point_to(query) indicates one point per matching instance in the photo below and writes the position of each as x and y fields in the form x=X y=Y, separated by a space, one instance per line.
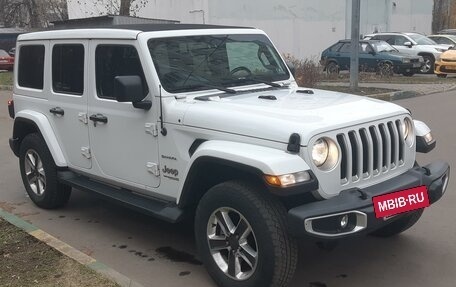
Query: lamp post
x=199 y=11
x=354 y=57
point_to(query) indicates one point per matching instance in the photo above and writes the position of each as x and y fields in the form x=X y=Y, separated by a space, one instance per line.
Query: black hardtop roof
x=155 y=27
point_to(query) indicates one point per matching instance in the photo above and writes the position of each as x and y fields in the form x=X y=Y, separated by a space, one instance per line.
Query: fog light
x=344 y=221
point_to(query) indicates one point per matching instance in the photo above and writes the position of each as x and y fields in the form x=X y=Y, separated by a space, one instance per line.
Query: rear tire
x=400 y=225
x=39 y=174
x=266 y=255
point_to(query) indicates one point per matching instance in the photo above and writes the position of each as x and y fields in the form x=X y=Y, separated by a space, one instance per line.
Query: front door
x=123 y=144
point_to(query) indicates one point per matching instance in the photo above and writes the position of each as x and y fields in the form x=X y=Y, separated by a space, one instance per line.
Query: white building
x=300 y=27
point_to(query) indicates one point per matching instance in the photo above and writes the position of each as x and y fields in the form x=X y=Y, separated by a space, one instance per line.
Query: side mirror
x=372 y=52
x=408 y=44
x=130 y=89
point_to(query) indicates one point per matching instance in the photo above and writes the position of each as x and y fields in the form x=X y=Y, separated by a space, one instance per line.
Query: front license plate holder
x=388 y=205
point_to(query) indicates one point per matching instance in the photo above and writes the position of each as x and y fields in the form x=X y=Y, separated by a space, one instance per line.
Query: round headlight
x=325 y=153
x=408 y=131
x=320 y=152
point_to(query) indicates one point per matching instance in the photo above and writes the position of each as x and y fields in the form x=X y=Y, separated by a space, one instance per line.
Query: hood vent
x=265 y=97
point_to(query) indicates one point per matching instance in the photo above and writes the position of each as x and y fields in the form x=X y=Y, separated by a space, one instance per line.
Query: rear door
x=68 y=100
x=344 y=56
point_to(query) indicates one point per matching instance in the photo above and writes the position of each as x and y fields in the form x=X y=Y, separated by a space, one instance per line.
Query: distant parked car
x=12 y=52
x=444 y=39
x=413 y=44
x=447 y=32
x=6 y=61
x=374 y=55
x=446 y=64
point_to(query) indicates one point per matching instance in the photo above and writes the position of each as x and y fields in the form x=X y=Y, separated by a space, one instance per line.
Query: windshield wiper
x=220 y=88
x=272 y=84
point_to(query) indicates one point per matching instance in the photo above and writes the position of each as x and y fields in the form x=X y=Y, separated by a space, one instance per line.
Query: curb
x=400 y=95
x=69 y=251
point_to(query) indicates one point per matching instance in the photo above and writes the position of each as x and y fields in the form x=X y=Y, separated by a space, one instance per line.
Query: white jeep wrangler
x=181 y=120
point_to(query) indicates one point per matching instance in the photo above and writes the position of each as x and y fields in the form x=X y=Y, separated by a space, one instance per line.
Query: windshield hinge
x=83 y=118
x=153 y=168
x=85 y=151
x=152 y=129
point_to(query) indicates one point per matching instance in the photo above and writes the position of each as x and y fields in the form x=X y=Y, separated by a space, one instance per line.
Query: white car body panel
x=48 y=134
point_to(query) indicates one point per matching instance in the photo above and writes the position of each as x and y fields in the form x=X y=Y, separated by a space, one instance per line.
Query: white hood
x=306 y=114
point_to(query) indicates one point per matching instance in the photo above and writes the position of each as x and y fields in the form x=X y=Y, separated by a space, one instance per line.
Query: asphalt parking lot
x=154 y=253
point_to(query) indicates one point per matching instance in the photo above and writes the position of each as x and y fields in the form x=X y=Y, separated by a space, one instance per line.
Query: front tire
x=400 y=225
x=242 y=237
x=39 y=174
x=428 y=67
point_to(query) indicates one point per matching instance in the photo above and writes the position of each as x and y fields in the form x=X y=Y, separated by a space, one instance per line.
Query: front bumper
x=407 y=68
x=357 y=204
x=444 y=67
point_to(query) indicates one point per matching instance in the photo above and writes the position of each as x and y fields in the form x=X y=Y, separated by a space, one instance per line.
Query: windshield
x=3 y=53
x=382 y=46
x=421 y=40
x=192 y=63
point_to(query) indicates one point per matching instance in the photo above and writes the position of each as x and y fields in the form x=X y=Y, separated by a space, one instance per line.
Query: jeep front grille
x=370 y=151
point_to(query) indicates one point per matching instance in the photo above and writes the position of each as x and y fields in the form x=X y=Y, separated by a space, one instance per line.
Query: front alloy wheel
x=232 y=243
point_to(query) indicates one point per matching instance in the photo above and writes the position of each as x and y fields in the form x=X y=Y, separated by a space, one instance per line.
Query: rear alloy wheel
x=428 y=67
x=242 y=237
x=332 y=68
x=39 y=174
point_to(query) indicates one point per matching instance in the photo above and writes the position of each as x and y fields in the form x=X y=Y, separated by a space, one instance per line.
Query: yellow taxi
x=446 y=64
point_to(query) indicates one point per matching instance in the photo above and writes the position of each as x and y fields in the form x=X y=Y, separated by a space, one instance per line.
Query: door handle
x=57 y=111
x=98 y=118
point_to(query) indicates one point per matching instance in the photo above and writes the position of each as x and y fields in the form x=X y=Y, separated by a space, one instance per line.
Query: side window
x=68 y=68
x=116 y=60
x=345 y=48
x=365 y=48
x=31 y=66
x=387 y=38
x=335 y=47
x=443 y=41
x=400 y=40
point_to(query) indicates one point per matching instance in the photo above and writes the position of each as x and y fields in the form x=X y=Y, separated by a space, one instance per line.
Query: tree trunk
x=125 y=7
x=443 y=15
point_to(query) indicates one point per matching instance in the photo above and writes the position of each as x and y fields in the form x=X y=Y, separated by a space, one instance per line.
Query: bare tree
x=444 y=15
x=32 y=13
x=114 y=7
